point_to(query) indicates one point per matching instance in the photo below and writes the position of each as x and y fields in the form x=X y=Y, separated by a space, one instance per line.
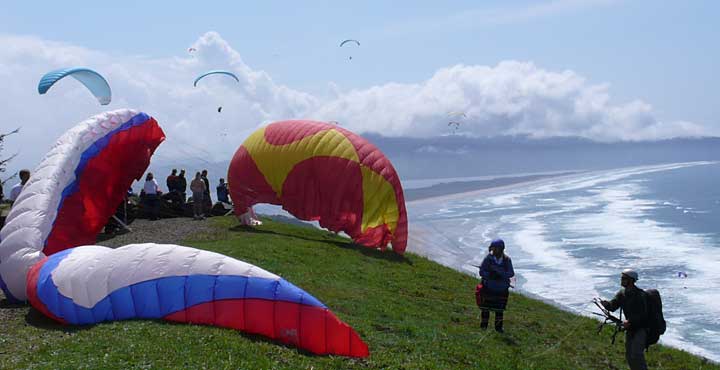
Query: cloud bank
x=511 y=98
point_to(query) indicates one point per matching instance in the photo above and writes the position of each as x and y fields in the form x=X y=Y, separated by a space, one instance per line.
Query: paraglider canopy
x=92 y=80
x=455 y=119
x=356 y=42
x=350 y=41
x=227 y=73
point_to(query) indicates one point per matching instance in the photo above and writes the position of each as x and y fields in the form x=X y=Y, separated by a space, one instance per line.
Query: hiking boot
x=499 y=329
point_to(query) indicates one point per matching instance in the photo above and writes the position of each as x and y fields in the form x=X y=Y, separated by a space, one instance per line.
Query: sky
x=601 y=69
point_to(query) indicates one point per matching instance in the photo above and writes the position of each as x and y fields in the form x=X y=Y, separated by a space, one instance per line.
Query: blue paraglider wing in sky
x=350 y=41
x=94 y=82
x=214 y=73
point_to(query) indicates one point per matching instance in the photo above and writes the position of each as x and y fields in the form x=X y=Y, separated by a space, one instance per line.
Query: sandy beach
x=465 y=189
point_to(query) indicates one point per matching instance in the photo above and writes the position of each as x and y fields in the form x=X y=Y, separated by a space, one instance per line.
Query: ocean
x=570 y=236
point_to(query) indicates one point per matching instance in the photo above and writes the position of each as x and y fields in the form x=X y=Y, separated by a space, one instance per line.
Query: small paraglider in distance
x=455 y=125
x=216 y=72
x=457 y=114
x=191 y=50
x=350 y=41
x=334 y=122
x=682 y=275
x=356 y=42
x=456 y=119
x=92 y=80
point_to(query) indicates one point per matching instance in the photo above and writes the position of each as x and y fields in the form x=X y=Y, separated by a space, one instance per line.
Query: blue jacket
x=496 y=277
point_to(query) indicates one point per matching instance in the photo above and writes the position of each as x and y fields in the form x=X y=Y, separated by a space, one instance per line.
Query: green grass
x=413 y=313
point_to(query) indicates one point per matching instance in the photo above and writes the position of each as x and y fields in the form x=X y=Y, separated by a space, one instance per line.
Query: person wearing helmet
x=631 y=300
x=496 y=270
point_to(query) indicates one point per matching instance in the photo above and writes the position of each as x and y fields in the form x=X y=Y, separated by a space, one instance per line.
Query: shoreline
x=486 y=186
x=426 y=241
x=423 y=242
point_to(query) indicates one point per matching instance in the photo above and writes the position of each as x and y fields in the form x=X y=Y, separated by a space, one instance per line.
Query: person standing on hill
x=171 y=181
x=172 y=185
x=151 y=193
x=222 y=192
x=181 y=185
x=15 y=191
x=633 y=302
x=197 y=186
x=496 y=270
x=207 y=198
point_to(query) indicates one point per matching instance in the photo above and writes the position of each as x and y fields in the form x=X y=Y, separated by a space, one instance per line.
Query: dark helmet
x=497 y=243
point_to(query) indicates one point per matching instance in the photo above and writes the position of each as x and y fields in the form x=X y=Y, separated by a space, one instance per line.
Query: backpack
x=479 y=294
x=656 y=321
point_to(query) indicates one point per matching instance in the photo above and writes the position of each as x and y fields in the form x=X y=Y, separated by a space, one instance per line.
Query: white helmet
x=630 y=273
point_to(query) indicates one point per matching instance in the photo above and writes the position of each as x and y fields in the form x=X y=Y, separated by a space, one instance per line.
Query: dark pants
x=635 y=349
x=485 y=317
x=207 y=202
x=198 y=204
x=153 y=203
x=493 y=301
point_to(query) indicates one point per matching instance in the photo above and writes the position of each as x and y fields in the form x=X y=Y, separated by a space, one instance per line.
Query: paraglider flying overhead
x=92 y=80
x=219 y=109
x=454 y=124
x=217 y=72
x=457 y=114
x=455 y=119
x=351 y=42
x=320 y=171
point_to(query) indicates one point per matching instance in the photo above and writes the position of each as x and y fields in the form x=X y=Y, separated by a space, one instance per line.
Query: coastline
x=460 y=190
x=425 y=237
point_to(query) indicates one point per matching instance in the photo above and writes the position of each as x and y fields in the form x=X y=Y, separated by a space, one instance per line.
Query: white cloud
x=160 y=87
x=510 y=98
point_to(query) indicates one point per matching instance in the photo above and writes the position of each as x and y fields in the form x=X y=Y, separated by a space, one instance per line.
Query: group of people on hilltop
x=152 y=195
x=177 y=186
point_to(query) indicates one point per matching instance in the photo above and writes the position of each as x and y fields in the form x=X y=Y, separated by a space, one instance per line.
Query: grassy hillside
x=413 y=313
